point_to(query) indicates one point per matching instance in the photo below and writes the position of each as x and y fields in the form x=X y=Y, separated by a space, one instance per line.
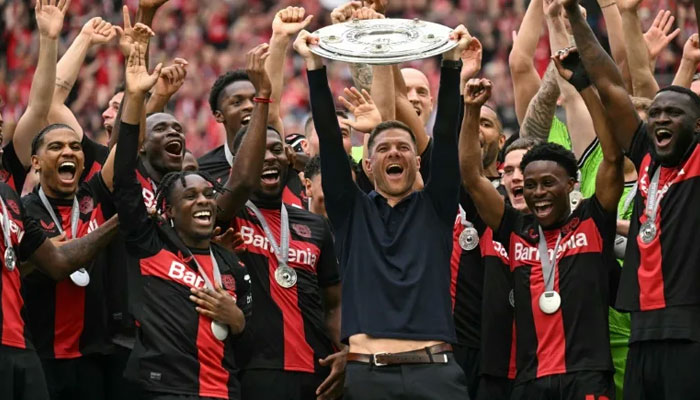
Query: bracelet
x=454 y=64
x=262 y=100
x=606 y=3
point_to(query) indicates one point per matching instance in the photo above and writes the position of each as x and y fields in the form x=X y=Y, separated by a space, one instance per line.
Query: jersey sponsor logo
x=92 y=225
x=86 y=205
x=300 y=256
x=302 y=230
x=47 y=227
x=179 y=272
x=149 y=199
x=530 y=254
x=500 y=250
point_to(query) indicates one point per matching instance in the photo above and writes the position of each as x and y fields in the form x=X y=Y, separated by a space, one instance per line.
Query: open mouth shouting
x=518 y=193
x=394 y=171
x=270 y=176
x=203 y=217
x=66 y=172
x=245 y=120
x=542 y=209
x=174 y=148
x=662 y=137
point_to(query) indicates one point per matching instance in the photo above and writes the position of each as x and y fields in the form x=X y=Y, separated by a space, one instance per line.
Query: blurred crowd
x=213 y=36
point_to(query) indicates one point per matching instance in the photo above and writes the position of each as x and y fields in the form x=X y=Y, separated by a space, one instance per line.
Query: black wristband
x=454 y=64
x=579 y=79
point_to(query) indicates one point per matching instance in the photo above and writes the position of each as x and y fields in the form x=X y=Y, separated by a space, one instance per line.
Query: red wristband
x=262 y=100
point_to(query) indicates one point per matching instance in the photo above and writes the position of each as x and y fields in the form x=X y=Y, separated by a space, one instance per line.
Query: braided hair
x=165 y=188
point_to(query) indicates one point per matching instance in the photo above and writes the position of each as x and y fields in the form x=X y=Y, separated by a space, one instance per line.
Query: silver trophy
x=383 y=41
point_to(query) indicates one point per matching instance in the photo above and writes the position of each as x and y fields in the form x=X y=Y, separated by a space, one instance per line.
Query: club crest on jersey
x=86 y=205
x=228 y=282
x=13 y=206
x=302 y=230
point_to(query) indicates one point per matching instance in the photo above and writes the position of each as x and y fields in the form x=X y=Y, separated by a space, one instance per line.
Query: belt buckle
x=377 y=363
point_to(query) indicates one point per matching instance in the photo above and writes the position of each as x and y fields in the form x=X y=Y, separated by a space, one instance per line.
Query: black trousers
x=21 y=375
x=469 y=359
x=663 y=370
x=80 y=378
x=117 y=386
x=270 y=384
x=583 y=385
x=494 y=388
x=407 y=381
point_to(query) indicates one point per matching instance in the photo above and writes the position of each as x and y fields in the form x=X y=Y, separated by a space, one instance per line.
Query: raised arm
x=169 y=82
x=489 y=203
x=248 y=163
x=338 y=186
x=616 y=38
x=610 y=179
x=540 y=112
x=362 y=107
x=526 y=81
x=659 y=36
x=643 y=81
x=60 y=262
x=287 y=24
x=361 y=73
x=49 y=20
x=604 y=74
x=405 y=111
x=689 y=62
x=384 y=91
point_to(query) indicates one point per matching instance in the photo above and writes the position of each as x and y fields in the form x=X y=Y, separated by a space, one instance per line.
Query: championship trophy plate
x=382 y=41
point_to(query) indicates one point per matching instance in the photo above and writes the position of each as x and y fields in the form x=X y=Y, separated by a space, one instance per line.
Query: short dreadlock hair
x=551 y=152
x=165 y=188
x=39 y=138
x=221 y=83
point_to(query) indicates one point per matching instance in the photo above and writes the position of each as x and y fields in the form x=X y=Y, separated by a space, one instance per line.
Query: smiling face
x=418 y=88
x=164 y=146
x=546 y=189
x=513 y=179
x=59 y=161
x=490 y=136
x=110 y=113
x=393 y=163
x=235 y=105
x=672 y=123
x=275 y=169
x=193 y=210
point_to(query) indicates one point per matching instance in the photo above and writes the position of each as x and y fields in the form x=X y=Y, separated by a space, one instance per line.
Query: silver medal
x=10 y=259
x=469 y=238
x=285 y=276
x=620 y=246
x=647 y=232
x=550 y=301
x=575 y=198
x=219 y=330
x=80 y=277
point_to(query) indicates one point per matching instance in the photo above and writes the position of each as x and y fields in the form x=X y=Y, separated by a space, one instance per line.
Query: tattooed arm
x=540 y=111
x=361 y=76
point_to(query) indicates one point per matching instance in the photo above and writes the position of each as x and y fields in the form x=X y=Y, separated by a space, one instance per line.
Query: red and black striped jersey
x=95 y=157
x=498 y=320
x=664 y=273
x=176 y=350
x=574 y=337
x=67 y=320
x=25 y=236
x=217 y=166
x=287 y=330
x=13 y=172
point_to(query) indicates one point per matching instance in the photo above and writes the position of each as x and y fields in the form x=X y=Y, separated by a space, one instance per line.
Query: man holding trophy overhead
x=398 y=320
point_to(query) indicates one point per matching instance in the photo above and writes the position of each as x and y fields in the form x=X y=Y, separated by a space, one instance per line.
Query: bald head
x=419 y=95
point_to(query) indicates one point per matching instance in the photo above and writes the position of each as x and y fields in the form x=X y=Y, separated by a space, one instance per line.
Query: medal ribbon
x=5 y=225
x=547 y=262
x=629 y=198
x=74 y=214
x=281 y=250
x=654 y=198
x=463 y=218
x=215 y=268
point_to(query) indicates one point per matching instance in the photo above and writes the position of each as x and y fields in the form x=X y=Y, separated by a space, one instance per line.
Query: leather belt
x=429 y=355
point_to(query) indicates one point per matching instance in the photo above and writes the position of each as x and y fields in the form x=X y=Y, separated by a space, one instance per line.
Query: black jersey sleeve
x=15 y=173
x=94 y=153
x=640 y=145
x=97 y=189
x=511 y=221
x=138 y=229
x=327 y=271
x=33 y=234
x=443 y=182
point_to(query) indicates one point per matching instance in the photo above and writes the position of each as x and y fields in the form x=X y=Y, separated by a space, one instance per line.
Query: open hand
x=290 y=21
x=691 y=49
x=140 y=33
x=49 y=16
x=255 y=68
x=477 y=92
x=361 y=105
x=658 y=36
x=230 y=239
x=171 y=78
x=218 y=305
x=138 y=80
x=332 y=387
